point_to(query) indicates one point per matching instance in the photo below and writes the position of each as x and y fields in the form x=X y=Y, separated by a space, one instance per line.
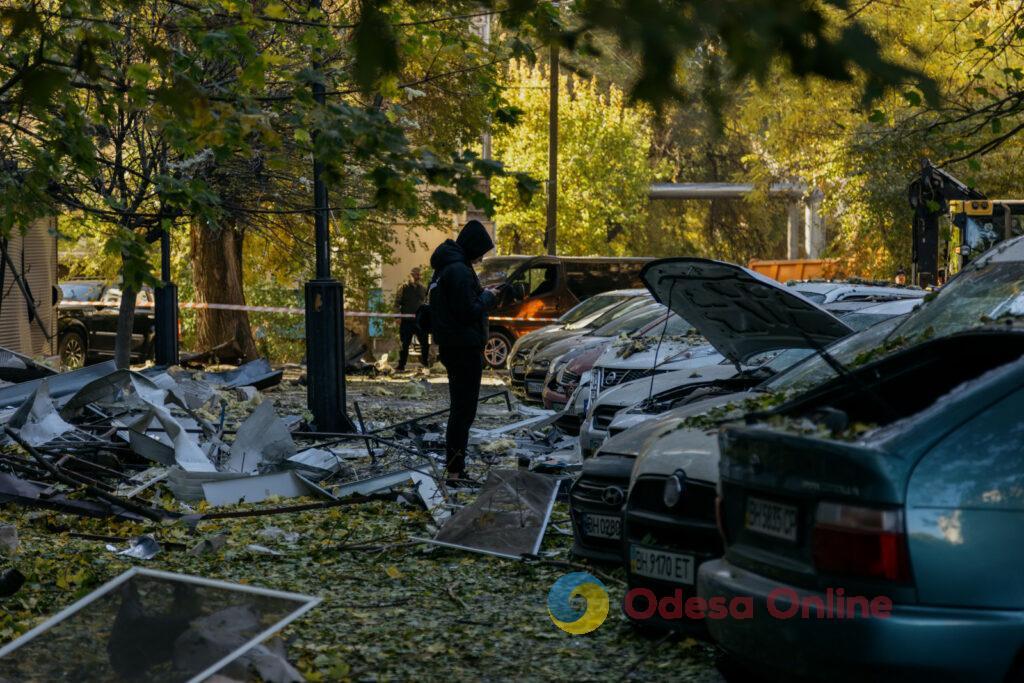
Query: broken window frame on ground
x=304 y=604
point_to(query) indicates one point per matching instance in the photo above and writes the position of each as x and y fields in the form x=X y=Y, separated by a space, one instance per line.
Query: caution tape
x=287 y=310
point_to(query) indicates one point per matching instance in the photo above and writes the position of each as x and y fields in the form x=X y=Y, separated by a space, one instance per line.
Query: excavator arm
x=929 y=194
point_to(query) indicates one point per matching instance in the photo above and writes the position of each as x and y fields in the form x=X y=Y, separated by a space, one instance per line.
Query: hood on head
x=447 y=252
x=742 y=313
x=474 y=240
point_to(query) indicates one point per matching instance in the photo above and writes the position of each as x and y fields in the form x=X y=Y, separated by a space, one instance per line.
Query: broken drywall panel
x=37 y=420
x=60 y=385
x=263 y=439
x=255 y=489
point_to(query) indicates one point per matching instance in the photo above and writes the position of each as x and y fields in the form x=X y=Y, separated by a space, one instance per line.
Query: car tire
x=71 y=349
x=497 y=349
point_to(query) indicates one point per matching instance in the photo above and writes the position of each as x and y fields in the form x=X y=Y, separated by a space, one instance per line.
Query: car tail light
x=852 y=540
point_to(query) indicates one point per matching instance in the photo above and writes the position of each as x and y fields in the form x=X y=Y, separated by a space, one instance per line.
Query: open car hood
x=742 y=313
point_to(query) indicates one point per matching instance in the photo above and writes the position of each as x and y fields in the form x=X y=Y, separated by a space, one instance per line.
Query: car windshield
x=80 y=291
x=673 y=326
x=589 y=307
x=632 y=322
x=611 y=314
x=496 y=270
x=975 y=297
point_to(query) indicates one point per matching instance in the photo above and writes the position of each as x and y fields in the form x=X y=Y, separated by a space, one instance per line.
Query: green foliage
x=604 y=166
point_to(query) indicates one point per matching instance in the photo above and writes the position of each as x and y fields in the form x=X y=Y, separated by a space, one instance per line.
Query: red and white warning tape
x=288 y=310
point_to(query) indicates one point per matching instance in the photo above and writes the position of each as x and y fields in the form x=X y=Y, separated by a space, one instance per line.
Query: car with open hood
x=747 y=318
x=645 y=446
x=627 y=405
x=655 y=353
x=896 y=485
x=743 y=315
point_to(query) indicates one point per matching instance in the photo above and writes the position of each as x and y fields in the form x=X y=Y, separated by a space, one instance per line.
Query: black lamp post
x=166 y=308
x=325 y=316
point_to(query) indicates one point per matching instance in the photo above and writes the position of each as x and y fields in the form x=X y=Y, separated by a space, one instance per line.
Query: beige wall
x=37 y=250
x=425 y=240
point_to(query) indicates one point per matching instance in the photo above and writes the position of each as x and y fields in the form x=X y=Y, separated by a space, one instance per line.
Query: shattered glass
x=152 y=626
x=508 y=518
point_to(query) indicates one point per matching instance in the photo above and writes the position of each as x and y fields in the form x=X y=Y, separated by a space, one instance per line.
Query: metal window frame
x=308 y=602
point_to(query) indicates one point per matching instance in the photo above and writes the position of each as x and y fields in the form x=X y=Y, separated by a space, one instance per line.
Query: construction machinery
x=953 y=223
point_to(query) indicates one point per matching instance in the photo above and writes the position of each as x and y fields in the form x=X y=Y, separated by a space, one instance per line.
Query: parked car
x=86 y=331
x=546 y=287
x=848 y=295
x=626 y=405
x=576 y=321
x=904 y=486
x=744 y=315
x=527 y=376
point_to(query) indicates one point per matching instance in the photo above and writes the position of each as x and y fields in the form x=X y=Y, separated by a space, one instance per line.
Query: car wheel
x=72 y=351
x=496 y=349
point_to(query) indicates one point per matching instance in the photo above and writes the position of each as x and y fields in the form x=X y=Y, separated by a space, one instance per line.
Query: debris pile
x=164 y=449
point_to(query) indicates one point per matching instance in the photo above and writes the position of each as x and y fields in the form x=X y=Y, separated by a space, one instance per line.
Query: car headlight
x=675 y=485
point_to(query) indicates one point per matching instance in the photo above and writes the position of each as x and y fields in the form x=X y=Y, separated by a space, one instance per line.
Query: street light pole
x=325 y=312
x=165 y=312
x=551 y=226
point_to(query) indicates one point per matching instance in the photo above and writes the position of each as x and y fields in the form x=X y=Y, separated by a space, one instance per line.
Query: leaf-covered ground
x=392 y=609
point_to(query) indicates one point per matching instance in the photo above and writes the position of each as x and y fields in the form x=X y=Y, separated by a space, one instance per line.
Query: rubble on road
x=158 y=459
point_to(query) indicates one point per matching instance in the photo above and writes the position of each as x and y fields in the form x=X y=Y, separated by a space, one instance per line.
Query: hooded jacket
x=458 y=304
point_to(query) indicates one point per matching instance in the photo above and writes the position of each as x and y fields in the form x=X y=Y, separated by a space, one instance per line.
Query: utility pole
x=551 y=227
x=325 y=311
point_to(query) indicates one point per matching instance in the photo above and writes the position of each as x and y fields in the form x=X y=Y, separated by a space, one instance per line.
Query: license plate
x=658 y=564
x=771 y=519
x=534 y=387
x=602 y=526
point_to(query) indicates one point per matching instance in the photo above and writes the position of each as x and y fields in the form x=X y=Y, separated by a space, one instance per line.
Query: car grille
x=603 y=416
x=570 y=378
x=611 y=378
x=592 y=490
x=698 y=500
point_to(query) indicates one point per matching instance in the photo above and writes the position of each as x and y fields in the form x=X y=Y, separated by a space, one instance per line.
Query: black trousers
x=407 y=329
x=465 y=370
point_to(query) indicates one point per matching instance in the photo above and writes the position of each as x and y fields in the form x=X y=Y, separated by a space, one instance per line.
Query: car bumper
x=590 y=438
x=914 y=642
x=638 y=527
x=554 y=400
x=604 y=550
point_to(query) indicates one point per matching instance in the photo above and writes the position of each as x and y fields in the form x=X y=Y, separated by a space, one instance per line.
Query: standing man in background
x=458 y=310
x=410 y=297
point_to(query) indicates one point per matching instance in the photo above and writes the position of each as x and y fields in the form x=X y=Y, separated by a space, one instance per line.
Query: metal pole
x=325 y=311
x=551 y=228
x=165 y=311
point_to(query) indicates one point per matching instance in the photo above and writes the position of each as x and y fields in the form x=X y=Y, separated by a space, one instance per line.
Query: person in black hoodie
x=458 y=310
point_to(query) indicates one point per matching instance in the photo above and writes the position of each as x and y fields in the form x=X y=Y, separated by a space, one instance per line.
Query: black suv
x=87 y=323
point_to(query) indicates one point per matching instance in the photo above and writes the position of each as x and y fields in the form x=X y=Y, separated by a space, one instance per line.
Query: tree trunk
x=125 y=323
x=217 y=274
